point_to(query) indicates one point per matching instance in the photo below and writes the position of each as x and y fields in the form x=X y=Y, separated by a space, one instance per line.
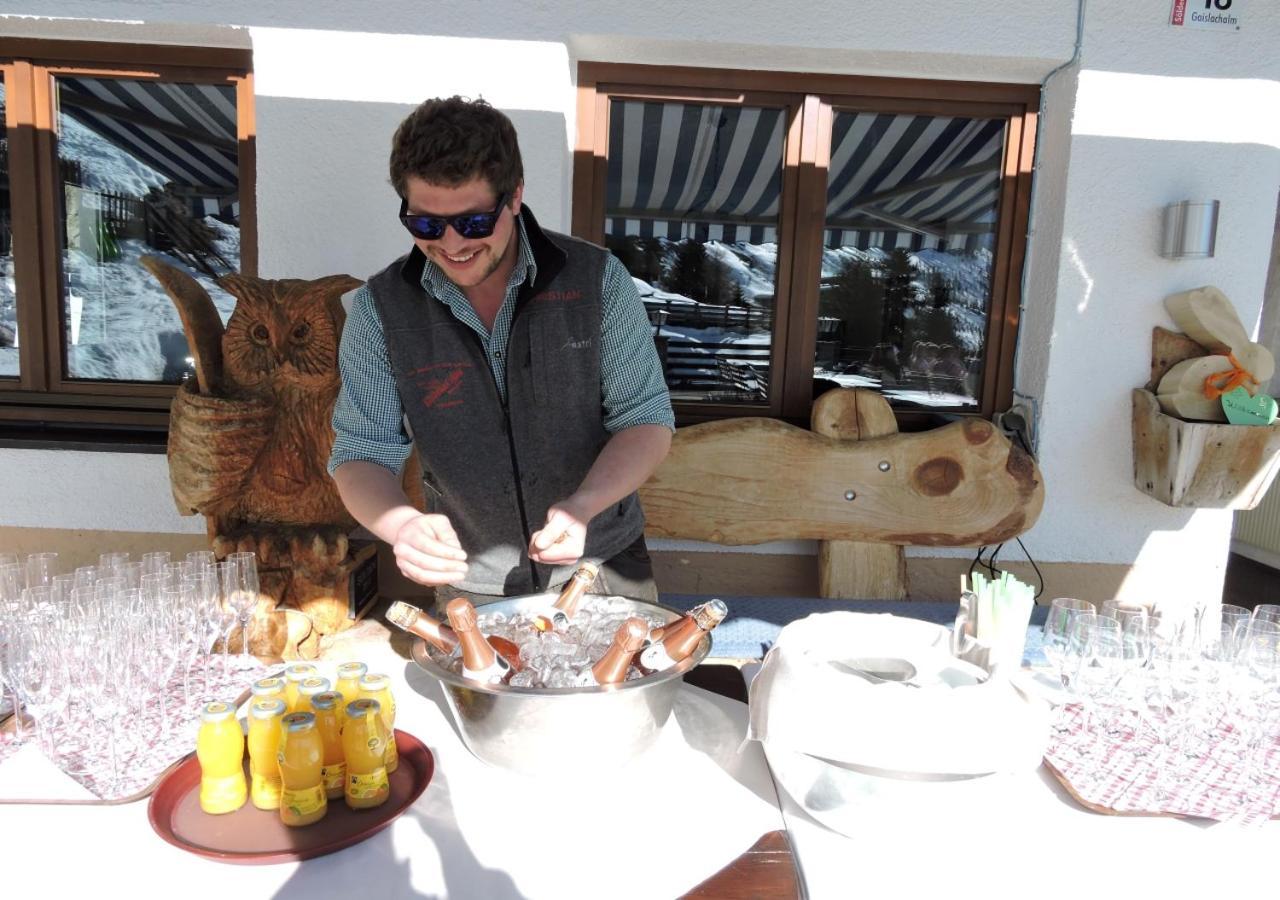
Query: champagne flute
x=244 y=598
x=41 y=567
x=1057 y=638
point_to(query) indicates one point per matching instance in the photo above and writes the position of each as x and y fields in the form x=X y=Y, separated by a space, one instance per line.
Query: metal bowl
x=549 y=731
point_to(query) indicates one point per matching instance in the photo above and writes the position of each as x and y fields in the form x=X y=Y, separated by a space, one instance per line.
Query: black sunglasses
x=468 y=225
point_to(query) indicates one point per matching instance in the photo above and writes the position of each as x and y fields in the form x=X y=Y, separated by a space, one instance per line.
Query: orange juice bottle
x=264 y=744
x=220 y=749
x=334 y=774
x=266 y=688
x=301 y=759
x=293 y=675
x=308 y=688
x=378 y=687
x=349 y=675
x=364 y=744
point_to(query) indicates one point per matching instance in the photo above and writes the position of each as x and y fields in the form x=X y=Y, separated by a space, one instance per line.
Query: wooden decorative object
x=852 y=569
x=1168 y=348
x=1201 y=464
x=749 y=480
x=249 y=438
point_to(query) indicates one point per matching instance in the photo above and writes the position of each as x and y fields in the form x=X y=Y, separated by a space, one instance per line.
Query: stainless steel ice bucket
x=564 y=730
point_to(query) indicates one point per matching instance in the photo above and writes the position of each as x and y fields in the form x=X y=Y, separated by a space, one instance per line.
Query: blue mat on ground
x=753 y=623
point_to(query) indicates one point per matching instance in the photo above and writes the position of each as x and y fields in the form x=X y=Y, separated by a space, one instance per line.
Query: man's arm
x=426 y=548
x=370 y=448
x=637 y=412
x=625 y=463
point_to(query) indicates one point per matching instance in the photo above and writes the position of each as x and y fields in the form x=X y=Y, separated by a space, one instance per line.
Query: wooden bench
x=851 y=482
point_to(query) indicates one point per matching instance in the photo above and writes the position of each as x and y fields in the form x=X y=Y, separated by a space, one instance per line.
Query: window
x=111 y=153
x=790 y=233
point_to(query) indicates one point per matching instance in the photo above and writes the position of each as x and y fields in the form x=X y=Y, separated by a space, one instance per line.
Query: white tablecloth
x=663 y=824
x=1025 y=837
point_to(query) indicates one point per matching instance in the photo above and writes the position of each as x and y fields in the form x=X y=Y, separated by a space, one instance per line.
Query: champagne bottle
x=479 y=660
x=571 y=595
x=415 y=621
x=681 y=638
x=441 y=636
x=611 y=668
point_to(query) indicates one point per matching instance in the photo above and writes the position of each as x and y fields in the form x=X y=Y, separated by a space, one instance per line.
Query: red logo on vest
x=439 y=382
x=561 y=295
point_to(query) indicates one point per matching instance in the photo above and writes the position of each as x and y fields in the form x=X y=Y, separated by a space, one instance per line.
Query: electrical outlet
x=1019 y=423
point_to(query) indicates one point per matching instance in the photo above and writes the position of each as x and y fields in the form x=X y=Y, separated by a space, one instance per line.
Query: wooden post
x=852 y=570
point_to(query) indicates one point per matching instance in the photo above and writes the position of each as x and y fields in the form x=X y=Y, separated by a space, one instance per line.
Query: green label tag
x=1241 y=409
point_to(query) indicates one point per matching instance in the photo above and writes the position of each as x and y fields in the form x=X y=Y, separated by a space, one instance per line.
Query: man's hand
x=428 y=552
x=562 y=539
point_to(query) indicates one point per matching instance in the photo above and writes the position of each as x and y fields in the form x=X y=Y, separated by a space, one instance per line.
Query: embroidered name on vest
x=439 y=382
x=562 y=296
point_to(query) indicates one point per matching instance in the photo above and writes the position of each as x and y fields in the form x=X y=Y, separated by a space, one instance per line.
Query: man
x=525 y=366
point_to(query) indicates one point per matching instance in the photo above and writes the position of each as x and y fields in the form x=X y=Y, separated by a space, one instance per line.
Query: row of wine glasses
x=1201 y=687
x=92 y=655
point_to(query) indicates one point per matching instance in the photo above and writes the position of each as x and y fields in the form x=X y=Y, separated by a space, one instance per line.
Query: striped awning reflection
x=710 y=172
x=187 y=132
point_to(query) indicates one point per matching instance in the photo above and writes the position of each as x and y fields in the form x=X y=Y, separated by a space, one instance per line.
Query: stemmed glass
x=1057 y=638
x=243 y=595
x=1259 y=665
x=1097 y=651
x=41 y=567
x=43 y=673
x=9 y=661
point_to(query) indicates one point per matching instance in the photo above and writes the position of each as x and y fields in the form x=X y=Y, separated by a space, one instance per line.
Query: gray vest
x=494 y=469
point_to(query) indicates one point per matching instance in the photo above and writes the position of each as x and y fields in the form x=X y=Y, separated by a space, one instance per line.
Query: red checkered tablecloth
x=1132 y=773
x=142 y=749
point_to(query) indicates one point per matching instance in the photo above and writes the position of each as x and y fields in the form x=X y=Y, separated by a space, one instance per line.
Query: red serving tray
x=252 y=836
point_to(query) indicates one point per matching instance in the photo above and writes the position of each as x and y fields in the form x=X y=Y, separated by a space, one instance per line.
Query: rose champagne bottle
x=611 y=668
x=567 y=603
x=480 y=661
x=681 y=638
x=440 y=635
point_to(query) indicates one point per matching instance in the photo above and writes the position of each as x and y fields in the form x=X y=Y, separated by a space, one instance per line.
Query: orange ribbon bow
x=1225 y=382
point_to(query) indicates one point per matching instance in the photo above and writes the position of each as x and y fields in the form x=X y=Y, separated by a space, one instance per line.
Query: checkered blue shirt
x=369 y=419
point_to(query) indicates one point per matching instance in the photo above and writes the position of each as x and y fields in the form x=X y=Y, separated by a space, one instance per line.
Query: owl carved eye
x=260 y=334
x=302 y=332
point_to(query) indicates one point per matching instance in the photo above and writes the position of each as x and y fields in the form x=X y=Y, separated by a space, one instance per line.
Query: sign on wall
x=1217 y=15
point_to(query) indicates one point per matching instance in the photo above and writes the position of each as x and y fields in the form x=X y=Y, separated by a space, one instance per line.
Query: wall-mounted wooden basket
x=1201 y=464
x=1208 y=465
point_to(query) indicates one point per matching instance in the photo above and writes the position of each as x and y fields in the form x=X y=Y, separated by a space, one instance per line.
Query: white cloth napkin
x=952 y=724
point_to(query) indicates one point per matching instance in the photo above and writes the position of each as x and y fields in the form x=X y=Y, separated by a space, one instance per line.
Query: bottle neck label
x=492 y=674
x=656 y=658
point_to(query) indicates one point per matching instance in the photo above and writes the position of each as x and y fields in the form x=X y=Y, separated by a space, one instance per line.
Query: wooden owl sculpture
x=249 y=438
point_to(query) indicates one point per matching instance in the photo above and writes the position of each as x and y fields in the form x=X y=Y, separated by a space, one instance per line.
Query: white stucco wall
x=1150 y=115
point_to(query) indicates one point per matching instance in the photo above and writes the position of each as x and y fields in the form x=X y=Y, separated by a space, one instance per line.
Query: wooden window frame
x=42 y=396
x=815 y=98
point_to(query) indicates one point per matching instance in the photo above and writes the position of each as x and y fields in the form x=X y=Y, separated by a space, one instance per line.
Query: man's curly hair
x=449 y=142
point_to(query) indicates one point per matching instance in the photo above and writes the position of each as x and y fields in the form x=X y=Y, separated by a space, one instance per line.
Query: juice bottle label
x=392 y=755
x=366 y=787
x=334 y=776
x=303 y=802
